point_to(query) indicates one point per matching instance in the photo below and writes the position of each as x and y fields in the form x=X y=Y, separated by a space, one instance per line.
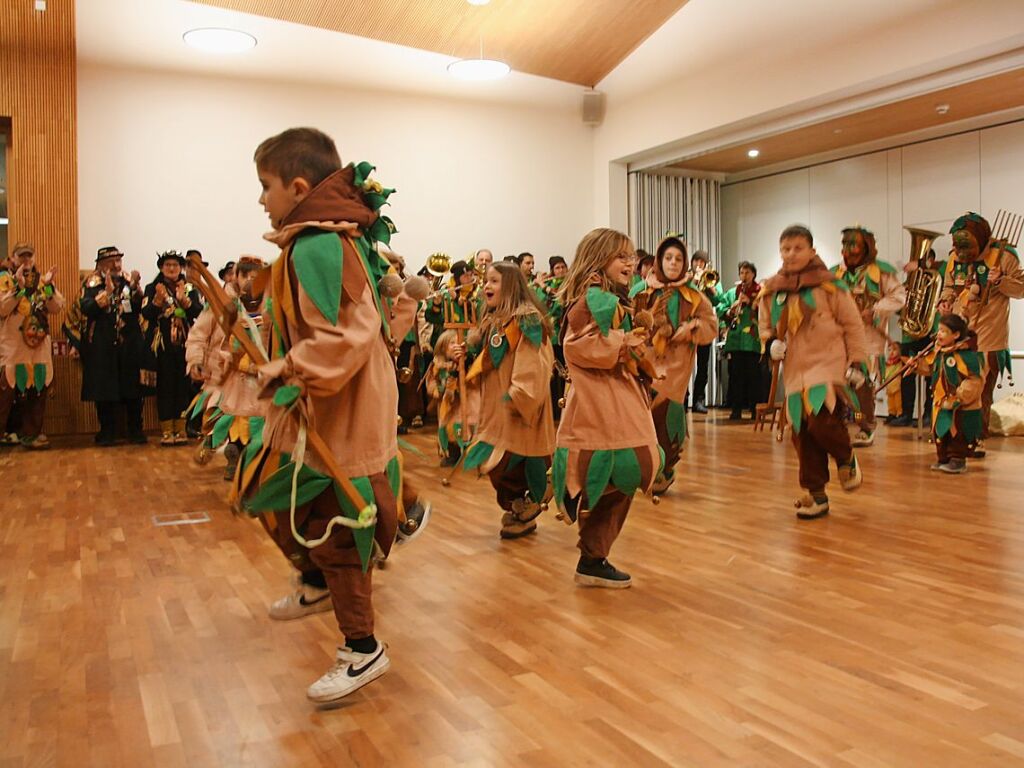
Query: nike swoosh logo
x=356 y=672
x=302 y=599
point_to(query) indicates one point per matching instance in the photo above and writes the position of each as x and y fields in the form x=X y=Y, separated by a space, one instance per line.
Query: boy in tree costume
x=26 y=359
x=981 y=277
x=607 y=448
x=808 y=319
x=170 y=306
x=330 y=375
x=203 y=363
x=442 y=385
x=683 y=319
x=878 y=292
x=516 y=434
x=957 y=371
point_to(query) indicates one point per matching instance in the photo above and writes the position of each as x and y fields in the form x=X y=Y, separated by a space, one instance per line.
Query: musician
x=712 y=289
x=909 y=346
x=452 y=300
x=170 y=306
x=482 y=259
x=683 y=318
x=642 y=265
x=26 y=360
x=737 y=309
x=113 y=347
x=981 y=277
x=547 y=291
x=516 y=434
x=808 y=319
x=526 y=264
x=878 y=293
x=227 y=274
x=8 y=429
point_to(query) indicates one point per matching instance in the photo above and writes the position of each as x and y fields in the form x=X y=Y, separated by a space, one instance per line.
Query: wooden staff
x=911 y=363
x=465 y=299
x=762 y=410
x=228 y=317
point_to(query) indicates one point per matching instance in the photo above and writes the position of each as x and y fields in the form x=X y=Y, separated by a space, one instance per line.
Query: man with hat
x=981 y=277
x=26 y=360
x=169 y=308
x=112 y=347
x=227 y=274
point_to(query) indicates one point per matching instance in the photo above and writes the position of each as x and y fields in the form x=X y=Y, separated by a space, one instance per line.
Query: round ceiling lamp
x=219 y=40
x=478 y=69
x=478 y=2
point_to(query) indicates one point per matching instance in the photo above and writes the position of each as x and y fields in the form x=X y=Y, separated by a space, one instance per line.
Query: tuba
x=438 y=265
x=923 y=287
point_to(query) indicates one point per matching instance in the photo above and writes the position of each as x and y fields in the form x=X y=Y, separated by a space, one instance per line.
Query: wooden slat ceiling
x=973 y=99
x=577 y=41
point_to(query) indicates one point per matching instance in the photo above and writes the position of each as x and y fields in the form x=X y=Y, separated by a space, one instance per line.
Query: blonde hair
x=597 y=248
x=515 y=295
x=444 y=341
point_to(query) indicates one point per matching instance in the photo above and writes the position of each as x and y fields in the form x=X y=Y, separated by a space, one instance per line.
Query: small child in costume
x=607 y=447
x=957 y=383
x=683 y=319
x=442 y=383
x=516 y=433
x=808 y=319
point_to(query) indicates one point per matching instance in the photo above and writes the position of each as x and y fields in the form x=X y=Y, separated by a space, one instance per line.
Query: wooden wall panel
x=37 y=94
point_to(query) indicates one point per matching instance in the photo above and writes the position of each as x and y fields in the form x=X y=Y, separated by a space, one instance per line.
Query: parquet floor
x=891 y=634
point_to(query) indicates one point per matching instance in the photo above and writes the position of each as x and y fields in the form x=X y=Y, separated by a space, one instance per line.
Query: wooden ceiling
x=978 y=97
x=578 y=41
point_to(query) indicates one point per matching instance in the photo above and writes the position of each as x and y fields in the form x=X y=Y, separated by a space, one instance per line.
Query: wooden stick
x=224 y=308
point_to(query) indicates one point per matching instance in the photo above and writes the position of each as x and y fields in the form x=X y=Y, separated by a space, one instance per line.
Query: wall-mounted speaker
x=593 y=107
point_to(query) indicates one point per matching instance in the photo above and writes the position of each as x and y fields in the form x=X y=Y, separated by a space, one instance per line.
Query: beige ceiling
x=578 y=41
x=978 y=97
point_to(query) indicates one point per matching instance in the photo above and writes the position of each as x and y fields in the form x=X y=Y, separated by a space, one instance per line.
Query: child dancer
x=607 y=446
x=808 y=318
x=683 y=319
x=516 y=434
x=442 y=384
x=957 y=384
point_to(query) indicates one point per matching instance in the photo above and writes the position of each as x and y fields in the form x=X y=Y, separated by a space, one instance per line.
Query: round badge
x=496 y=340
x=780 y=298
x=950 y=362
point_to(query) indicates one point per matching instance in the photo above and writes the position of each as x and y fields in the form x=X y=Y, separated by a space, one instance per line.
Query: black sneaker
x=104 y=439
x=601 y=573
x=902 y=421
x=736 y=416
x=138 y=439
x=699 y=407
x=416 y=518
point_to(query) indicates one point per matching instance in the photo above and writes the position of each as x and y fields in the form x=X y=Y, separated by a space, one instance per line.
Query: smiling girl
x=683 y=319
x=607 y=446
x=516 y=434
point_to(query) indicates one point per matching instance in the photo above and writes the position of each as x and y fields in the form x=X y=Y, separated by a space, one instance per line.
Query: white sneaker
x=863 y=439
x=351 y=671
x=305 y=600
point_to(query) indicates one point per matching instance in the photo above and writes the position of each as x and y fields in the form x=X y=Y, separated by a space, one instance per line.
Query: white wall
x=165 y=161
x=924 y=185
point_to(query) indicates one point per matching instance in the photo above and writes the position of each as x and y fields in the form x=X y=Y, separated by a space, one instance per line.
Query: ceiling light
x=478 y=69
x=40 y=5
x=753 y=152
x=215 y=40
x=478 y=2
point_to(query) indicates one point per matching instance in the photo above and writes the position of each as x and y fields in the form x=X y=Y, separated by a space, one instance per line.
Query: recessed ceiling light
x=753 y=152
x=216 y=40
x=478 y=2
x=478 y=69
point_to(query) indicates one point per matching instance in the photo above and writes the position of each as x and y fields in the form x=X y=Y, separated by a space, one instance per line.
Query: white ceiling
x=147 y=34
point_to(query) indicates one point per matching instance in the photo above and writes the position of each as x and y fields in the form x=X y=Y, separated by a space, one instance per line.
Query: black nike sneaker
x=601 y=573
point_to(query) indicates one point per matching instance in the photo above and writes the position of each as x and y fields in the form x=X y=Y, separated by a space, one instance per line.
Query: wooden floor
x=890 y=634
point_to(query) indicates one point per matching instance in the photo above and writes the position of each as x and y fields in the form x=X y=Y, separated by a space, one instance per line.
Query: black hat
x=556 y=260
x=198 y=253
x=169 y=256
x=106 y=252
x=224 y=270
x=458 y=268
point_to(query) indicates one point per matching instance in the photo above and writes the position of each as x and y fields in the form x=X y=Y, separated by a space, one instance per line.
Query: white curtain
x=659 y=204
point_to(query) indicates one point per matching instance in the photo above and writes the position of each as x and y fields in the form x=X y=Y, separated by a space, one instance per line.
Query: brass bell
x=561 y=402
x=655 y=500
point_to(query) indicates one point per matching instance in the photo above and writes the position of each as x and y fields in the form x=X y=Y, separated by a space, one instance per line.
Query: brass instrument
x=923 y=287
x=708 y=280
x=438 y=265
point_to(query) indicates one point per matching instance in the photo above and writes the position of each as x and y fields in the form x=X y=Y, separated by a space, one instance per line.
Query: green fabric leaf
x=973 y=361
x=672 y=308
x=255 y=445
x=854 y=400
x=200 y=404
x=842 y=286
x=377 y=200
x=796 y=410
x=318 y=260
x=382 y=229
x=536 y=477
x=778 y=304
x=626 y=471
x=275 y=493
x=816 y=396
x=363 y=536
x=286 y=395
x=661 y=460
x=637 y=288
x=408 y=447
x=950 y=372
x=21 y=377
x=971 y=424
x=442 y=438
x=514 y=460
x=675 y=422
x=598 y=474
x=885 y=266
x=943 y=422
x=477 y=454
x=807 y=297
x=498 y=353
x=220 y=429
x=602 y=306
x=559 y=466
x=532 y=328
x=394 y=475
x=39 y=376
x=362 y=173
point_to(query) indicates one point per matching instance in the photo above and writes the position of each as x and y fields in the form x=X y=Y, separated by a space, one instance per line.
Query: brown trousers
x=866 y=396
x=31 y=408
x=509 y=483
x=988 y=393
x=672 y=450
x=952 y=447
x=351 y=589
x=821 y=435
x=599 y=528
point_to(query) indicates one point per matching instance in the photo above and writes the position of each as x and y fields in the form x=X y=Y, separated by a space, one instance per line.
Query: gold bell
x=655 y=500
x=445 y=482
